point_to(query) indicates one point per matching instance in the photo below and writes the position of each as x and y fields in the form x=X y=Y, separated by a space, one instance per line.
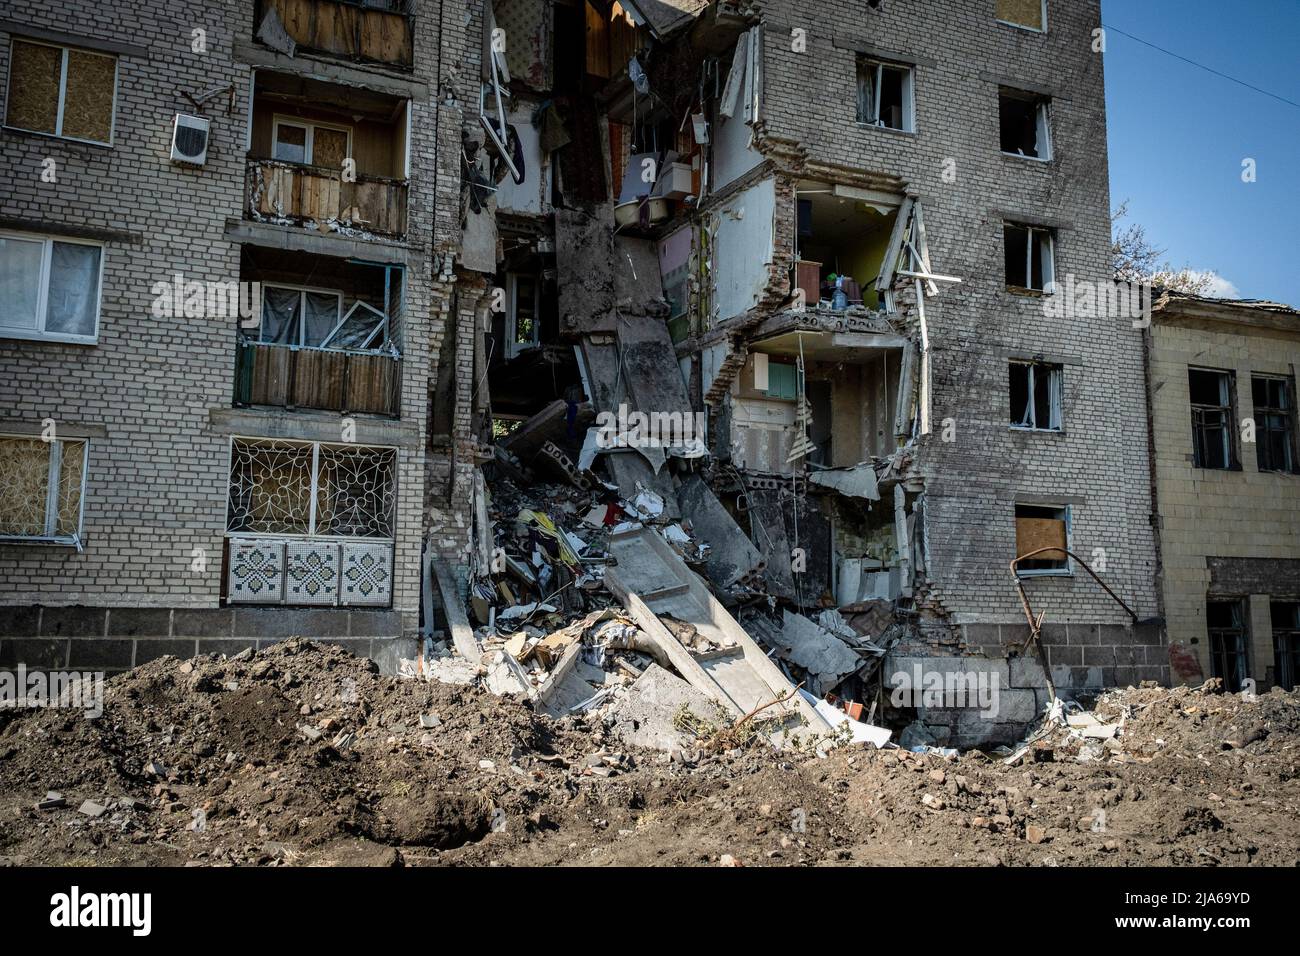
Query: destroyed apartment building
x=645 y=355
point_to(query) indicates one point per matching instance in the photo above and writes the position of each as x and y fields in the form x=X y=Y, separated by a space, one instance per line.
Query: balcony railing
x=297 y=193
x=375 y=31
x=289 y=376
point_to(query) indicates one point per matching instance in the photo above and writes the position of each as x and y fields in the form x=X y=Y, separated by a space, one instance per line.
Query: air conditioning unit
x=190 y=139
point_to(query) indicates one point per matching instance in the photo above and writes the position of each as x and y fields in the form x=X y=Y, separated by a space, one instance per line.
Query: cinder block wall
x=1213 y=513
x=1099 y=464
x=155 y=395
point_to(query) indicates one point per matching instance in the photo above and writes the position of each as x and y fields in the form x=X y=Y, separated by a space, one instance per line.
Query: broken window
x=1030 y=254
x=1211 y=399
x=885 y=95
x=1044 y=532
x=49 y=288
x=61 y=91
x=311 y=144
x=1226 y=623
x=1285 y=616
x=1030 y=14
x=1024 y=124
x=292 y=315
x=523 y=324
x=41 y=489
x=1274 y=423
x=1036 y=395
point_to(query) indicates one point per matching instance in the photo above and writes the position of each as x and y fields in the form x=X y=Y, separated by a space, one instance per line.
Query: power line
x=1208 y=69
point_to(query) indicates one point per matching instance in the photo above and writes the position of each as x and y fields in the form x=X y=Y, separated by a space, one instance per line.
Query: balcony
x=292 y=377
x=363 y=31
x=326 y=334
x=300 y=194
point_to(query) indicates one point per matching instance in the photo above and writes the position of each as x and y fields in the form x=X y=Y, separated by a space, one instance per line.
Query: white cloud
x=1218 y=287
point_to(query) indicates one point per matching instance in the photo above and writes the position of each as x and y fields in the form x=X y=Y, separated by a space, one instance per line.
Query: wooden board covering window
x=88 y=97
x=34 y=72
x=1026 y=13
x=1035 y=533
x=597 y=43
x=24 y=486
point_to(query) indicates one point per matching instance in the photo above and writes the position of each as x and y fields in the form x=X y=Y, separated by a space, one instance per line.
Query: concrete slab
x=731 y=554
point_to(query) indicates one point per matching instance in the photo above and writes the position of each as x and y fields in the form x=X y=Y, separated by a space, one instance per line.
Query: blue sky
x=1178 y=136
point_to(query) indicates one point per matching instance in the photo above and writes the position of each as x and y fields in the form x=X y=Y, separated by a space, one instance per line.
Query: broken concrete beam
x=646 y=715
x=826 y=658
x=462 y=634
x=856 y=482
x=551 y=424
x=731 y=554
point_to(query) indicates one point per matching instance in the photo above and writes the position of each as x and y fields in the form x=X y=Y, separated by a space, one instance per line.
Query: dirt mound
x=303 y=754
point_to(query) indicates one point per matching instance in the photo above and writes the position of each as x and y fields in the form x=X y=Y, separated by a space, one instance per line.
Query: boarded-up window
x=1038 y=528
x=62 y=91
x=1024 y=13
x=31 y=505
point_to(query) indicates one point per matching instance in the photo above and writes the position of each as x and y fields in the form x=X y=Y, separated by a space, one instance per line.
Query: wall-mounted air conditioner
x=190 y=139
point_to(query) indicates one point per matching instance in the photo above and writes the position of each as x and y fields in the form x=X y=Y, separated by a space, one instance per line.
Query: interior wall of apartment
x=743 y=229
x=377 y=147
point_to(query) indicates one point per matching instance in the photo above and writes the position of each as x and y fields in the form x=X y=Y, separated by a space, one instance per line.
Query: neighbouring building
x=1222 y=381
x=228 y=236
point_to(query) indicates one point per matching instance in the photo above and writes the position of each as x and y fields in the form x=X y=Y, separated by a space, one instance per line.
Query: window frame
x=1021 y=26
x=1217 y=657
x=1042 y=119
x=1232 y=457
x=513 y=346
x=51 y=537
x=63 y=90
x=1289 y=413
x=309 y=137
x=303 y=291
x=43 y=293
x=1033 y=367
x=1064 y=572
x=909 y=93
x=1049 y=260
x=1286 y=659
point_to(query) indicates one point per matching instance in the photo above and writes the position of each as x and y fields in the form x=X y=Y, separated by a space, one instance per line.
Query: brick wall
x=1098 y=465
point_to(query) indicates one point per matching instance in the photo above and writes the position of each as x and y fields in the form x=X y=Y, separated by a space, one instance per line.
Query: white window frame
x=43 y=293
x=309 y=137
x=1057 y=395
x=1021 y=26
x=302 y=291
x=63 y=90
x=1068 y=570
x=1049 y=260
x=1043 y=121
x=909 y=94
x=513 y=346
x=52 y=497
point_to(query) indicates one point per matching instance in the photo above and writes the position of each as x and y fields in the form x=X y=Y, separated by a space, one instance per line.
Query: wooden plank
x=1035 y=533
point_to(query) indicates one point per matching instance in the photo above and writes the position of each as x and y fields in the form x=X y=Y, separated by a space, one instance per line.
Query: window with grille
x=42 y=487
x=311 y=489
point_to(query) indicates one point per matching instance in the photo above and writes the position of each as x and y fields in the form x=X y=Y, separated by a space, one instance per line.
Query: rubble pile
x=303 y=755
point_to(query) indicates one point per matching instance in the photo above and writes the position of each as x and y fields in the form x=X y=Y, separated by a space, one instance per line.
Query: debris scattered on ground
x=203 y=762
